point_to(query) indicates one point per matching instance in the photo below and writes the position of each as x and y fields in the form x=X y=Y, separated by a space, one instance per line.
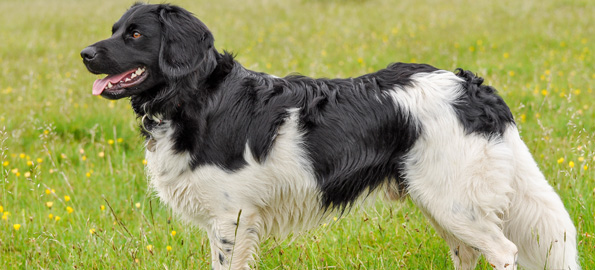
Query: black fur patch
x=354 y=134
x=227 y=242
x=480 y=109
x=221 y=259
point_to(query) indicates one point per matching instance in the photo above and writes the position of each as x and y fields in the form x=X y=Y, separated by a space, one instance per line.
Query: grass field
x=73 y=192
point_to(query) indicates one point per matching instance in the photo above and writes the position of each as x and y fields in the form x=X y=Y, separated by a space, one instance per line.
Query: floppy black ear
x=186 y=44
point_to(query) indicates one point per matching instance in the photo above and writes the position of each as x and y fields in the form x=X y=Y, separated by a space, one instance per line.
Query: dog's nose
x=88 y=53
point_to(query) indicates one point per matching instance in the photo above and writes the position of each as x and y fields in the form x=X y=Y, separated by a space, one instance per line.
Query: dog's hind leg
x=465 y=187
x=467 y=234
x=234 y=240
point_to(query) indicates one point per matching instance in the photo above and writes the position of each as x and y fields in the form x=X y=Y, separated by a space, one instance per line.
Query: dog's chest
x=170 y=174
x=282 y=189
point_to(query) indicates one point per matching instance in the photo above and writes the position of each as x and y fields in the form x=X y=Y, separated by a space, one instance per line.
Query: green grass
x=56 y=137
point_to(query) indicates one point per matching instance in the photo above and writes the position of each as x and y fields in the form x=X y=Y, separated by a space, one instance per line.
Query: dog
x=245 y=155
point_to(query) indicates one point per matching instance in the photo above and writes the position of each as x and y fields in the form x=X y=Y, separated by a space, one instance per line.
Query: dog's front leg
x=234 y=240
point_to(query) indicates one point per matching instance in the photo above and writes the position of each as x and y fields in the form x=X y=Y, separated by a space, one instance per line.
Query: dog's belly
x=281 y=191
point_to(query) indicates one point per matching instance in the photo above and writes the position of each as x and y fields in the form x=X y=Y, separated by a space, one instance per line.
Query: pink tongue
x=100 y=84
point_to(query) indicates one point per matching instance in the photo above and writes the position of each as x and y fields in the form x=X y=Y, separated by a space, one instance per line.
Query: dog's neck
x=172 y=100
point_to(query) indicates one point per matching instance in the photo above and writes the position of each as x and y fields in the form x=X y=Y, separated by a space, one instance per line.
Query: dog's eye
x=136 y=34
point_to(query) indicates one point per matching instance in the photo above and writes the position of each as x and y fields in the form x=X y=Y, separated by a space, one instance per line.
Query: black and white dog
x=245 y=155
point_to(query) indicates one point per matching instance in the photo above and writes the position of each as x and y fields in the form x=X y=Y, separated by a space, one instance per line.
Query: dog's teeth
x=139 y=71
x=127 y=80
x=109 y=85
x=133 y=75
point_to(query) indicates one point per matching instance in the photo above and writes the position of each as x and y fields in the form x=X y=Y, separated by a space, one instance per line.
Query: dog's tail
x=537 y=222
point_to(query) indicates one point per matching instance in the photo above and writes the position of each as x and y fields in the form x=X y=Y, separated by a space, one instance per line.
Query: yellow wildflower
x=168 y=248
x=560 y=160
x=29 y=163
x=5 y=163
x=144 y=162
x=69 y=210
x=39 y=160
x=585 y=167
x=49 y=204
x=571 y=164
x=150 y=247
x=1 y=209
x=137 y=205
x=120 y=140
x=57 y=218
x=16 y=226
x=27 y=174
x=511 y=73
x=102 y=207
x=110 y=141
x=66 y=198
x=173 y=233
x=101 y=154
x=84 y=158
x=581 y=159
x=92 y=231
x=51 y=216
x=22 y=155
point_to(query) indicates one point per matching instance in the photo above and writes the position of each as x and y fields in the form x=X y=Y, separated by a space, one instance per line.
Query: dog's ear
x=186 y=44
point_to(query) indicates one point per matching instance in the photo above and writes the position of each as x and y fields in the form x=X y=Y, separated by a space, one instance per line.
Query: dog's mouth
x=119 y=82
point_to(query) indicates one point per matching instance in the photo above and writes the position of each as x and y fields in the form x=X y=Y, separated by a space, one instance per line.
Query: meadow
x=73 y=191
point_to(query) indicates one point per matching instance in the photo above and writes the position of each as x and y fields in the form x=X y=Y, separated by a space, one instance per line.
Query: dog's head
x=150 y=46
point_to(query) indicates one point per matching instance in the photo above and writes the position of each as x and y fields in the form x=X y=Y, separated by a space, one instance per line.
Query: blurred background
x=73 y=192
